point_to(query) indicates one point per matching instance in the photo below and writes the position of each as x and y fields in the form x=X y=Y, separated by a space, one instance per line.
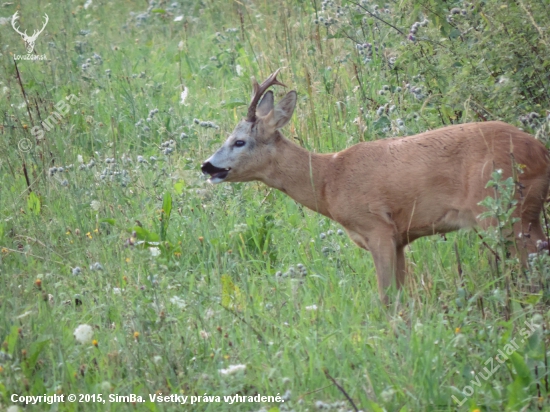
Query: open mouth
x=216 y=173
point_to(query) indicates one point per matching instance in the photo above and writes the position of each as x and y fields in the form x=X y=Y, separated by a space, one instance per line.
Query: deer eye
x=240 y=143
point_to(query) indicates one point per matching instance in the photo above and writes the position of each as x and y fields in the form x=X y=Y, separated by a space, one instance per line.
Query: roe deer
x=389 y=192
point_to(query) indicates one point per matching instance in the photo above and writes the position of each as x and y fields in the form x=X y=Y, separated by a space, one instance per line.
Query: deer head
x=29 y=40
x=250 y=150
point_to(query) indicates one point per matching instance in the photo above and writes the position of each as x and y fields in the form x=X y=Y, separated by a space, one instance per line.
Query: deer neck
x=299 y=173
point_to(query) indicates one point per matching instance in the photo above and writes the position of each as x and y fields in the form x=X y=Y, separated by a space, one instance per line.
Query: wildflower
x=95 y=343
x=179 y=302
x=83 y=334
x=136 y=335
x=321 y=405
x=95 y=205
x=155 y=251
x=178 y=18
x=96 y=266
x=457 y=330
x=38 y=283
x=183 y=95
x=311 y=308
x=232 y=369
x=388 y=395
x=460 y=341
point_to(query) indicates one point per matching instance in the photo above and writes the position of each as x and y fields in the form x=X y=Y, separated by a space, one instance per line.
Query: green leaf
x=179 y=186
x=161 y=11
x=382 y=122
x=110 y=221
x=12 y=339
x=534 y=298
x=234 y=103
x=34 y=352
x=33 y=203
x=165 y=216
x=232 y=297
x=145 y=235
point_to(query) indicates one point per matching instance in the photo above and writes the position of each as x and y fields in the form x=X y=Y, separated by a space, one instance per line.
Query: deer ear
x=283 y=111
x=266 y=105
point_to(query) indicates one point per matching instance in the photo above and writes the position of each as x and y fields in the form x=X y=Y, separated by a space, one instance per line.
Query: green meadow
x=125 y=274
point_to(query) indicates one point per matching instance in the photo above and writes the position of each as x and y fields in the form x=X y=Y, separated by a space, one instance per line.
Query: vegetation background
x=122 y=271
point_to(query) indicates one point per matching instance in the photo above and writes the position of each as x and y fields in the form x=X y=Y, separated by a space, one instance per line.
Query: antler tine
x=13 y=20
x=259 y=90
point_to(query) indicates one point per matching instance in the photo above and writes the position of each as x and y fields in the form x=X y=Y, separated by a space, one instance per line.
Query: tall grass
x=179 y=279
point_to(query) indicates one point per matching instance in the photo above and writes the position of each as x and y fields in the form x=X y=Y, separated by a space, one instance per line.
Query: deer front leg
x=384 y=253
x=387 y=257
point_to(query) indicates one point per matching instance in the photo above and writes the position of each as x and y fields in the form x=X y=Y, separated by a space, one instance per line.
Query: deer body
x=389 y=192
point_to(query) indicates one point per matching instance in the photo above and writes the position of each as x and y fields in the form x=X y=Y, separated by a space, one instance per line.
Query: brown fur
x=387 y=193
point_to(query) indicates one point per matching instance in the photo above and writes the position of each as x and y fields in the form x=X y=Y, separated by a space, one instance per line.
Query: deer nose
x=206 y=166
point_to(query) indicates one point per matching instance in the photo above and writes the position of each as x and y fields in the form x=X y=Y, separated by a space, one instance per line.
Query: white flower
x=178 y=18
x=80 y=159
x=83 y=334
x=87 y=4
x=180 y=45
x=157 y=359
x=155 y=251
x=95 y=205
x=239 y=69
x=183 y=95
x=105 y=386
x=232 y=369
x=179 y=302
x=312 y=307
x=117 y=291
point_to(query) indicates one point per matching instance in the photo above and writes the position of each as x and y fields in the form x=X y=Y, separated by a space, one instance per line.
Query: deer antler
x=13 y=20
x=259 y=90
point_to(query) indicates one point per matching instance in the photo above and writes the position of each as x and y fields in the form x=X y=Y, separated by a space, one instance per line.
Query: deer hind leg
x=400 y=271
x=528 y=234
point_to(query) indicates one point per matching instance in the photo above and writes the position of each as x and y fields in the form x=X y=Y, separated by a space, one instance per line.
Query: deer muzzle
x=217 y=174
